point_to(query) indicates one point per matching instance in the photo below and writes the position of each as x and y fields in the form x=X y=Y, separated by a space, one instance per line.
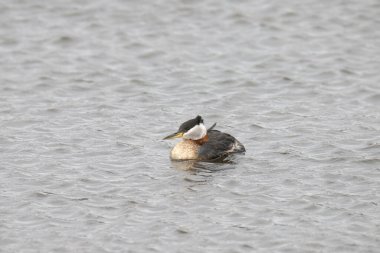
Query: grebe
x=203 y=144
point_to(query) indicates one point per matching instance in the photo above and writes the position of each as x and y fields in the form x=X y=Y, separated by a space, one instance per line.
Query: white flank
x=235 y=147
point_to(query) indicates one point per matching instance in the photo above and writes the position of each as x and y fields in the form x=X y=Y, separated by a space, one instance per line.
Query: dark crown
x=186 y=126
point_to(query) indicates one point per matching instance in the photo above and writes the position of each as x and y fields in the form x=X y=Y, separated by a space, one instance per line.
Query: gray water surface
x=88 y=89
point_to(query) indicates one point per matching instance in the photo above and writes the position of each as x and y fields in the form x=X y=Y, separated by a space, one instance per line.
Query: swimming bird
x=203 y=144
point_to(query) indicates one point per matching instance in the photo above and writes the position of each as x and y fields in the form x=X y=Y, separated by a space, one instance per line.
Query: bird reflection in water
x=196 y=167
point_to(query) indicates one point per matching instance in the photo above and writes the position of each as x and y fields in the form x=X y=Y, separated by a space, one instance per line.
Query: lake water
x=88 y=89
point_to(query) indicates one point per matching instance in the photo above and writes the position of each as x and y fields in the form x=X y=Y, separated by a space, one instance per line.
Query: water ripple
x=88 y=90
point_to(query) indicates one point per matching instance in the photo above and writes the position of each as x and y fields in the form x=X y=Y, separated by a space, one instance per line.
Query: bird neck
x=202 y=140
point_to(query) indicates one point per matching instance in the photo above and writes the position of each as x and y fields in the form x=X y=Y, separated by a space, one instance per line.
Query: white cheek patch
x=196 y=133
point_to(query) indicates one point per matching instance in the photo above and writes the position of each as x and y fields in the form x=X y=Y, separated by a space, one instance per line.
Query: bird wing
x=219 y=146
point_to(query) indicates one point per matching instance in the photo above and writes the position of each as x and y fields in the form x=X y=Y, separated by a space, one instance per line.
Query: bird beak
x=175 y=135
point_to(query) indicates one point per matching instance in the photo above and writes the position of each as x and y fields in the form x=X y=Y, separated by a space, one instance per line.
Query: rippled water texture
x=88 y=89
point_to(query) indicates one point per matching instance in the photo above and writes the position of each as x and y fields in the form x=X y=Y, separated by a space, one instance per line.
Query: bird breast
x=185 y=150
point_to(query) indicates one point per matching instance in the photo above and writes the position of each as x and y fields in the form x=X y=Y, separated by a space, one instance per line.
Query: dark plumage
x=219 y=146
